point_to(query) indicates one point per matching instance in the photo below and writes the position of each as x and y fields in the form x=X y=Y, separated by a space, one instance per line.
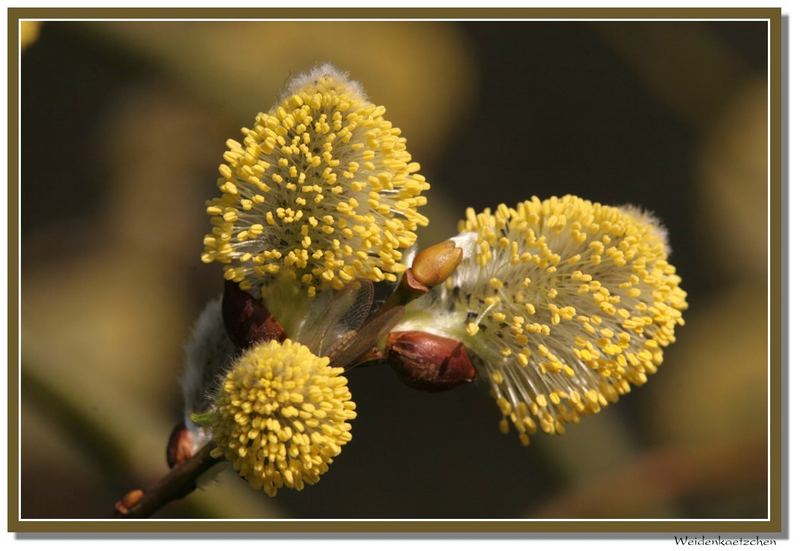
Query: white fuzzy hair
x=652 y=220
x=209 y=355
x=302 y=80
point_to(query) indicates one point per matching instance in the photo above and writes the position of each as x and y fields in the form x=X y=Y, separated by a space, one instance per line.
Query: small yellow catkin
x=282 y=415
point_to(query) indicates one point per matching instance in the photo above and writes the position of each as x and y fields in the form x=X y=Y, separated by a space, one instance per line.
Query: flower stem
x=178 y=483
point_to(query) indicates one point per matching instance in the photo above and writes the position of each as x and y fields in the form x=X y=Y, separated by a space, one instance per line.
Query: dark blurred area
x=124 y=124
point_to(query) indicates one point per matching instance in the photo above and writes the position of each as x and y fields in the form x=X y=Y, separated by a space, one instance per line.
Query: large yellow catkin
x=565 y=302
x=321 y=189
x=282 y=415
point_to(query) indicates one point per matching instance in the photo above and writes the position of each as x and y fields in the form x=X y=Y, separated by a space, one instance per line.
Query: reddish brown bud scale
x=246 y=319
x=429 y=362
x=129 y=501
x=433 y=265
x=412 y=285
x=180 y=445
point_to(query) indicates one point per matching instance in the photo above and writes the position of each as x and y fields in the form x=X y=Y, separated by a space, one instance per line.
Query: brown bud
x=429 y=362
x=247 y=320
x=180 y=445
x=129 y=501
x=435 y=264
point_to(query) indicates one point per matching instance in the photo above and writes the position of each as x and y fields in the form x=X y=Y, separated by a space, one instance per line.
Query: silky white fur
x=209 y=354
x=324 y=70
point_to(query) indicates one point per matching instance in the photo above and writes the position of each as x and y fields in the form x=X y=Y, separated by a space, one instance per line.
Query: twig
x=178 y=483
x=408 y=289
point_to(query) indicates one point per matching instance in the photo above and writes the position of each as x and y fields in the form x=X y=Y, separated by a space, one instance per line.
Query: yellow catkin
x=565 y=302
x=320 y=180
x=282 y=415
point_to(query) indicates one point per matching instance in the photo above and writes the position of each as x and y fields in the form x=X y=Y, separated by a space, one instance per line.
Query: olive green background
x=123 y=125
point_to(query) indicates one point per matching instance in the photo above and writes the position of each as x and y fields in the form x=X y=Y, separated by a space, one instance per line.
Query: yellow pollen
x=294 y=165
x=571 y=301
x=282 y=415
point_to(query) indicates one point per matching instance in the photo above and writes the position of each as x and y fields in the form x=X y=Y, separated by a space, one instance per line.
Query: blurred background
x=124 y=124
